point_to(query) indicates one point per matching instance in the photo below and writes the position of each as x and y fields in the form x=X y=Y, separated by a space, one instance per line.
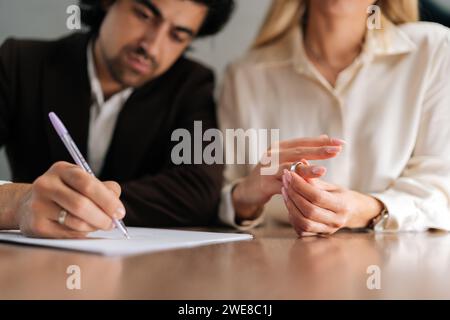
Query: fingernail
x=332 y=149
x=338 y=141
x=113 y=226
x=283 y=192
x=120 y=213
x=317 y=170
x=285 y=183
x=288 y=177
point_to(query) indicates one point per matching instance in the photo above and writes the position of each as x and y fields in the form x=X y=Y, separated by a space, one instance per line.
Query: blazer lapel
x=66 y=91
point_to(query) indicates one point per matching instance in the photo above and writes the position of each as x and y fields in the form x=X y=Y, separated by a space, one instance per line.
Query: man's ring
x=62 y=217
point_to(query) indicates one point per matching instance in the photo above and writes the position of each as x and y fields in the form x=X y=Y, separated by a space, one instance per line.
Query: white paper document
x=113 y=243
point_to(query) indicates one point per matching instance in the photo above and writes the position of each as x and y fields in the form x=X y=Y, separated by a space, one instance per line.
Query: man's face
x=141 y=39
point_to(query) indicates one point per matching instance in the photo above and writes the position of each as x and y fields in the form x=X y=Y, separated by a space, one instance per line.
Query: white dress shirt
x=392 y=106
x=103 y=117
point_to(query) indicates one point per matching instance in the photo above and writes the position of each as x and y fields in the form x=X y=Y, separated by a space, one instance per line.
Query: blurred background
x=46 y=19
x=436 y=11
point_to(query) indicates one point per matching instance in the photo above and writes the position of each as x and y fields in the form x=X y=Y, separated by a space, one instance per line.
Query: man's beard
x=118 y=70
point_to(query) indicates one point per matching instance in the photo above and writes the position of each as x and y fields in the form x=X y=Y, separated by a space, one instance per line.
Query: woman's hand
x=317 y=207
x=257 y=189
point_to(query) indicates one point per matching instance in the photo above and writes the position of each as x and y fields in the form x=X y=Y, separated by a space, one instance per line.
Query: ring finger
x=301 y=223
x=76 y=224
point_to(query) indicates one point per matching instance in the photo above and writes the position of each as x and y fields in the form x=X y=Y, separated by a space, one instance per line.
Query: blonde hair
x=287 y=14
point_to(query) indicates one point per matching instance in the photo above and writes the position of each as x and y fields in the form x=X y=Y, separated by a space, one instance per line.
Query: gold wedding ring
x=62 y=217
x=296 y=164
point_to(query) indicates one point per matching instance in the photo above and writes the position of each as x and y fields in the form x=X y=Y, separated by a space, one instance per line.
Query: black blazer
x=37 y=77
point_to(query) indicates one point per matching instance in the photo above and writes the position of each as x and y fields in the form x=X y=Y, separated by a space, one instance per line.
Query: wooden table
x=275 y=265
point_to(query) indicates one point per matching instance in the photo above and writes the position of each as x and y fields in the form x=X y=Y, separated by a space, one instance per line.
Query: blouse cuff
x=405 y=214
x=227 y=214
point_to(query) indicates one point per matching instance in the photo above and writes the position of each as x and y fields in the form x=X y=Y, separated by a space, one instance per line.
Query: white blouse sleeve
x=420 y=198
x=232 y=116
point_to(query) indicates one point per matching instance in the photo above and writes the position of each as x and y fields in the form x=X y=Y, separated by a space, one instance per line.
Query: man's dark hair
x=219 y=12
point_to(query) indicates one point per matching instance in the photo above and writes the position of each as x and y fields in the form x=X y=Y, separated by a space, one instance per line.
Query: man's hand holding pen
x=89 y=204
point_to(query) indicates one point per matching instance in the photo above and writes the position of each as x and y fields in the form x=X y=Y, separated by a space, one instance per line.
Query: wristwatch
x=380 y=220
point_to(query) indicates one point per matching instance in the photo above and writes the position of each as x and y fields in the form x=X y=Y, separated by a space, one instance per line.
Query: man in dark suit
x=121 y=90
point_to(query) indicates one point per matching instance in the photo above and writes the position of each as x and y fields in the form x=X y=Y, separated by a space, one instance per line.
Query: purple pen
x=78 y=158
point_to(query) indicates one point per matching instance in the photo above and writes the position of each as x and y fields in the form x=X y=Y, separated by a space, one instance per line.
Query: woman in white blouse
x=330 y=67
